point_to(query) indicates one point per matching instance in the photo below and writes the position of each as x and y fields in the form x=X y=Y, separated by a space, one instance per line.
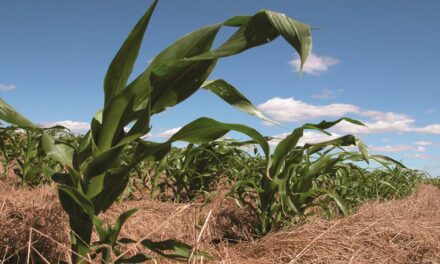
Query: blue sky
x=376 y=61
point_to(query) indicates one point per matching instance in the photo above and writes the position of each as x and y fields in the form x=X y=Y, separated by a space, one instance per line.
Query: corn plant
x=290 y=189
x=435 y=181
x=94 y=174
x=10 y=146
x=304 y=177
x=23 y=151
x=197 y=169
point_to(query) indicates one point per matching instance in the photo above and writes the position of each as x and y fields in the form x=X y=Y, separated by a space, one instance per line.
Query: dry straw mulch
x=400 y=231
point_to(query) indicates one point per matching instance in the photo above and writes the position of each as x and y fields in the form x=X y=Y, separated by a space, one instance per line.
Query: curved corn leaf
x=384 y=160
x=296 y=33
x=180 y=251
x=199 y=131
x=335 y=198
x=120 y=222
x=326 y=124
x=10 y=115
x=343 y=141
x=229 y=94
x=260 y=29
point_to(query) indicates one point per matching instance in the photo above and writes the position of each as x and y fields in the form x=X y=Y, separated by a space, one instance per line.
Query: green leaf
x=283 y=148
x=180 y=251
x=262 y=28
x=175 y=81
x=255 y=32
x=79 y=199
x=363 y=149
x=120 y=222
x=347 y=140
x=384 y=160
x=189 y=45
x=296 y=33
x=138 y=258
x=113 y=183
x=326 y=124
x=97 y=167
x=203 y=130
x=102 y=232
x=122 y=65
x=10 y=115
x=58 y=151
x=337 y=199
x=229 y=94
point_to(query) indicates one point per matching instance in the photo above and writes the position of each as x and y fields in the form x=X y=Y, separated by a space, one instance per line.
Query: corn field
x=281 y=186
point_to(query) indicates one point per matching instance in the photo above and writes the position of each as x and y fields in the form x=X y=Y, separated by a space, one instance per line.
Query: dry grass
x=401 y=231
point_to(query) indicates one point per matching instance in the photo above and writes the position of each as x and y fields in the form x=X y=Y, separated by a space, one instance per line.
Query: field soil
x=397 y=231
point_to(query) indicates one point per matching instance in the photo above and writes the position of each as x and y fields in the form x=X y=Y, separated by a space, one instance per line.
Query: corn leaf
x=122 y=65
x=229 y=94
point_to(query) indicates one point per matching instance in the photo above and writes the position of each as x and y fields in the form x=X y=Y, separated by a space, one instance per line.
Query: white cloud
x=74 y=126
x=314 y=64
x=422 y=156
x=387 y=121
x=290 y=110
x=397 y=148
x=429 y=129
x=308 y=137
x=381 y=122
x=423 y=143
x=168 y=133
x=326 y=93
x=7 y=88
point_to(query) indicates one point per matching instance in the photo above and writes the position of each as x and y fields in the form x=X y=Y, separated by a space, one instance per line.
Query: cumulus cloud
x=429 y=129
x=327 y=93
x=398 y=148
x=423 y=143
x=422 y=156
x=74 y=126
x=314 y=64
x=7 y=88
x=168 y=133
x=379 y=122
x=291 y=110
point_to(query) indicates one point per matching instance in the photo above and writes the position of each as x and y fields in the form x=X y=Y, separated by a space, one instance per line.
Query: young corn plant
x=290 y=189
x=197 y=170
x=303 y=177
x=22 y=150
x=94 y=175
x=10 y=146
